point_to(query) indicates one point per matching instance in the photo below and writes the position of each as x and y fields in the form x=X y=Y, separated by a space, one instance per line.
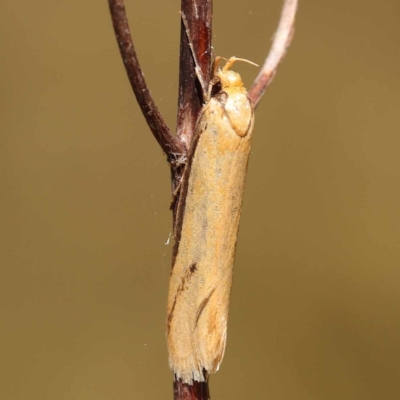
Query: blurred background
x=84 y=219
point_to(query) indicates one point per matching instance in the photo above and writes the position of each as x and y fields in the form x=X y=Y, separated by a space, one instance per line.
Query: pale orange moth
x=209 y=210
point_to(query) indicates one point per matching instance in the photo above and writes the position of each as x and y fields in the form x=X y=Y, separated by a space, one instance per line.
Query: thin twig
x=195 y=391
x=159 y=128
x=282 y=39
x=198 y=15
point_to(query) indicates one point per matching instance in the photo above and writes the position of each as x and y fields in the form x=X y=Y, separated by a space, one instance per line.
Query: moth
x=209 y=209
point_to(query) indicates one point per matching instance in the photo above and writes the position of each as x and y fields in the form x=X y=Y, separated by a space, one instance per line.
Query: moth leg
x=213 y=82
x=175 y=194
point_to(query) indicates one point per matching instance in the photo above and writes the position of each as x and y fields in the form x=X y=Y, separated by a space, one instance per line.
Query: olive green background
x=84 y=267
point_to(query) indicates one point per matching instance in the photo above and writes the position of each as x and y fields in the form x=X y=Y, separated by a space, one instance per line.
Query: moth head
x=227 y=77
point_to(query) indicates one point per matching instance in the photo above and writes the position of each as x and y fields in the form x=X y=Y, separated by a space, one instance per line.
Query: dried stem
x=168 y=143
x=281 y=42
x=196 y=391
x=198 y=14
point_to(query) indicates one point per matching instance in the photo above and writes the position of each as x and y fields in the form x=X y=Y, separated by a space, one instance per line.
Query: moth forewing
x=201 y=278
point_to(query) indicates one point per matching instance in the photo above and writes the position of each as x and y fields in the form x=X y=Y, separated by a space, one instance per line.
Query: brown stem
x=159 y=128
x=196 y=391
x=281 y=42
x=198 y=14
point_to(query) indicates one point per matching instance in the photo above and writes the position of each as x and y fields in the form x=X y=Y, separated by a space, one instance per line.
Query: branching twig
x=282 y=39
x=168 y=143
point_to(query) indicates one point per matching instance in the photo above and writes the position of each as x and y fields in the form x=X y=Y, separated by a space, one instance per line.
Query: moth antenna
x=232 y=60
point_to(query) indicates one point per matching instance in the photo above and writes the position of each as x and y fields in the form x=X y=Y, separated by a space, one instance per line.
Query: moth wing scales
x=210 y=220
